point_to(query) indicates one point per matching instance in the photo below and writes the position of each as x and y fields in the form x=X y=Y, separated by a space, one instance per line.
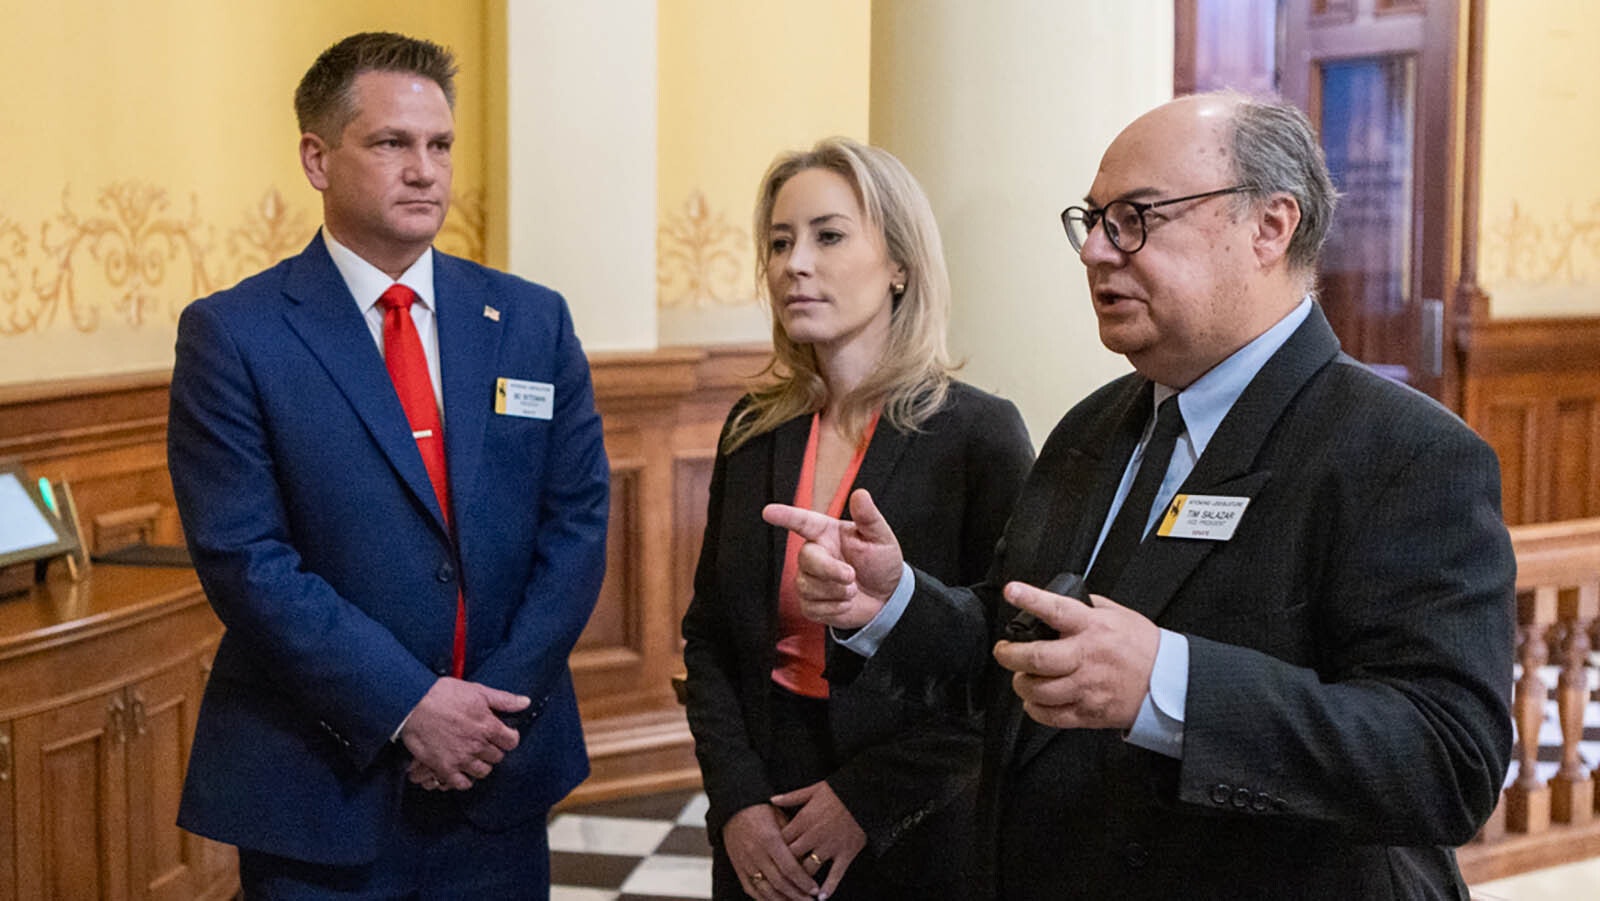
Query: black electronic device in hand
x=1027 y=627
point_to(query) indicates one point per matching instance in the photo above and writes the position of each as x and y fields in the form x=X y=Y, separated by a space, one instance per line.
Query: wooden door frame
x=1448 y=266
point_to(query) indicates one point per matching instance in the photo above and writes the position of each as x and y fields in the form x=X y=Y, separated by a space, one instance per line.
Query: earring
x=898 y=290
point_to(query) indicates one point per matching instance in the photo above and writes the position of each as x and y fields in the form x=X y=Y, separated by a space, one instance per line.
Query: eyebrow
x=1135 y=194
x=814 y=222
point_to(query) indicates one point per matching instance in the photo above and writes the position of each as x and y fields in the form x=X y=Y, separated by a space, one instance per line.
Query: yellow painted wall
x=1539 y=232
x=739 y=82
x=151 y=158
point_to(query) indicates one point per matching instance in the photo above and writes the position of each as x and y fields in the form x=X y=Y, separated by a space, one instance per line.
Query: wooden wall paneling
x=612 y=641
x=1532 y=389
x=1575 y=467
x=691 y=481
x=1509 y=427
x=662 y=413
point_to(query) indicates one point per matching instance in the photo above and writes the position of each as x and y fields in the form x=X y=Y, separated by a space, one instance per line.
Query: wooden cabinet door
x=164 y=861
x=69 y=784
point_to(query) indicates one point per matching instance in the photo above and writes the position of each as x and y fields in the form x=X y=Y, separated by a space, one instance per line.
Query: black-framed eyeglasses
x=1123 y=219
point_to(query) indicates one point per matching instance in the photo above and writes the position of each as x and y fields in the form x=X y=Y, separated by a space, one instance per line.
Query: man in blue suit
x=390 y=713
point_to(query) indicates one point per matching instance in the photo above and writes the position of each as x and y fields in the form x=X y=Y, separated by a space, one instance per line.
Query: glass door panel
x=1367 y=119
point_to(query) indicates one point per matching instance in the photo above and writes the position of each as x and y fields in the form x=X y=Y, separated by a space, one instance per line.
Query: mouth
x=1108 y=300
x=800 y=300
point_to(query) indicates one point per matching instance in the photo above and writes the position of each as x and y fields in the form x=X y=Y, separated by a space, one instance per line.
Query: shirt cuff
x=1159 y=726
x=865 y=640
x=400 y=728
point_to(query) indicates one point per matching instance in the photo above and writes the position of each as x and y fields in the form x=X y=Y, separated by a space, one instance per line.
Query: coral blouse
x=800 y=641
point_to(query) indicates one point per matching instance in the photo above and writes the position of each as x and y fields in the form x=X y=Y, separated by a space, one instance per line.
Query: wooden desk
x=100 y=684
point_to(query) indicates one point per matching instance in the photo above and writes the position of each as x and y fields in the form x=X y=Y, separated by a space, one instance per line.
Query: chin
x=1119 y=342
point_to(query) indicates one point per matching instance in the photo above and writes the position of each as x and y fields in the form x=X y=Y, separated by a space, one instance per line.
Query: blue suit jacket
x=321 y=546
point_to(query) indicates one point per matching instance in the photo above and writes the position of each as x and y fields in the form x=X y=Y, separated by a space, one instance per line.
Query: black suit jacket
x=1350 y=652
x=947 y=490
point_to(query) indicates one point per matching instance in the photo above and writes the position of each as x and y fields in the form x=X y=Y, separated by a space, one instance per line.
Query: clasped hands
x=777 y=856
x=454 y=735
x=1095 y=675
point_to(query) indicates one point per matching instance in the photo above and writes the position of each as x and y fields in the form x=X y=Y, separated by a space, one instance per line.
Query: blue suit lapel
x=326 y=318
x=469 y=348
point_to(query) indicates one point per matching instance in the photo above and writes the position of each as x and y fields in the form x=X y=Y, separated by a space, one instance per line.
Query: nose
x=421 y=168
x=1097 y=247
x=800 y=259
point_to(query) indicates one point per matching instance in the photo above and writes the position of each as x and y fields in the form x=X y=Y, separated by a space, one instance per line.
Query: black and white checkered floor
x=650 y=848
x=653 y=848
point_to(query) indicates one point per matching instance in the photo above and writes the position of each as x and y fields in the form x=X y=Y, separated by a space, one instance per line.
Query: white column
x=1002 y=110
x=581 y=161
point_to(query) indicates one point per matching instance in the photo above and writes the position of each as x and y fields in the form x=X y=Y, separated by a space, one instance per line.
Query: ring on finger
x=758 y=876
x=814 y=858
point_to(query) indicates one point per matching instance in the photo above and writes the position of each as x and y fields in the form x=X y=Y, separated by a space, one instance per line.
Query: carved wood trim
x=1509 y=346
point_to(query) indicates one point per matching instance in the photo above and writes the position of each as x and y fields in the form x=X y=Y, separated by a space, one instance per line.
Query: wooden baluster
x=1572 y=790
x=1528 y=797
x=1589 y=599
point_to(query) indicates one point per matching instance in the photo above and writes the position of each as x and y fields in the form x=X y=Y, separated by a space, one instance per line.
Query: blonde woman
x=820 y=777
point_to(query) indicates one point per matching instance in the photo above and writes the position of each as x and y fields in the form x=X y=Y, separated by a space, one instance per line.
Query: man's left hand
x=1095 y=675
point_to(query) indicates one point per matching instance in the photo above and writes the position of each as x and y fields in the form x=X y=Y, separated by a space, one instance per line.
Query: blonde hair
x=913 y=376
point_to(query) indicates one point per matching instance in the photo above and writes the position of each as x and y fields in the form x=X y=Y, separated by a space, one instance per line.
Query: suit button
x=1259 y=803
x=1136 y=855
x=445 y=573
x=1241 y=798
x=1220 y=793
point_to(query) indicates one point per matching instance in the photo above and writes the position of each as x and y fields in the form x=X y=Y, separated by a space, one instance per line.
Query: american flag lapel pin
x=491 y=314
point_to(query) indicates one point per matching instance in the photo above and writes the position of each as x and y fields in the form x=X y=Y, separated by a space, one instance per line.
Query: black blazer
x=947 y=490
x=1348 y=715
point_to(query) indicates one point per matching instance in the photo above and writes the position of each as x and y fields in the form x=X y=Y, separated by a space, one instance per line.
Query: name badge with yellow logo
x=530 y=400
x=1209 y=517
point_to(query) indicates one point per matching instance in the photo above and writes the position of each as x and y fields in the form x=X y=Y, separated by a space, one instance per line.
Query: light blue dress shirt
x=1159 y=725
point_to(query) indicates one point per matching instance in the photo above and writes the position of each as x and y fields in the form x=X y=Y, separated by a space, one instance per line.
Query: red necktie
x=408 y=368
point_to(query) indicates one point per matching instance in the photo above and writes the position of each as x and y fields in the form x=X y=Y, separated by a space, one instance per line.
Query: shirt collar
x=367 y=282
x=1205 y=402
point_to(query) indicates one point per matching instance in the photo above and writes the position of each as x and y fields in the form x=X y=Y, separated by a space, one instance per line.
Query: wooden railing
x=1548 y=817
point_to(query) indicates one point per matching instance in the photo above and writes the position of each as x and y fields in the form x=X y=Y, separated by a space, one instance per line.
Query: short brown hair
x=324 y=102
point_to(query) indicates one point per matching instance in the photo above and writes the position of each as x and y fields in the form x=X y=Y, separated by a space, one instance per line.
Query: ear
x=314 y=160
x=1276 y=221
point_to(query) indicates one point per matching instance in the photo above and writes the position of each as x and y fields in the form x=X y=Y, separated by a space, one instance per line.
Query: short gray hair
x=1275 y=150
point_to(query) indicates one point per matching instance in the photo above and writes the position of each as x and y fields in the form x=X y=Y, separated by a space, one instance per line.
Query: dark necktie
x=408 y=369
x=1128 y=528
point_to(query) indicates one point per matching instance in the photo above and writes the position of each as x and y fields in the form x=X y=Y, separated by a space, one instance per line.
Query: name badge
x=1209 y=517
x=530 y=400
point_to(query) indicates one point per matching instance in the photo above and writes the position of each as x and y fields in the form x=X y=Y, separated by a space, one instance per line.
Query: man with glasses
x=1286 y=671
